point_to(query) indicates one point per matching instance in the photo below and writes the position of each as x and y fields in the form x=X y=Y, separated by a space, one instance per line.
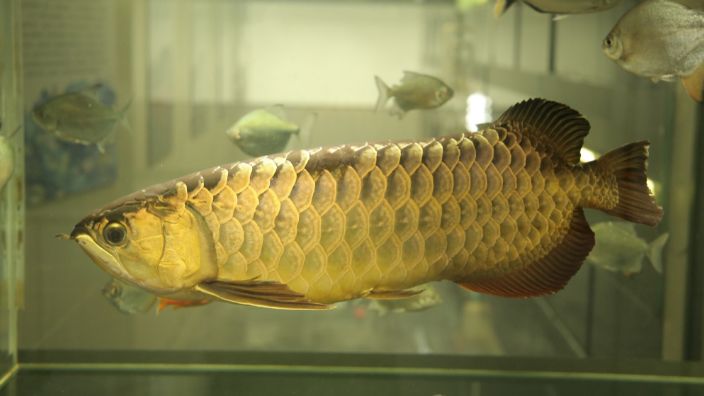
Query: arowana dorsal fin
x=256 y=293
x=554 y=126
x=548 y=274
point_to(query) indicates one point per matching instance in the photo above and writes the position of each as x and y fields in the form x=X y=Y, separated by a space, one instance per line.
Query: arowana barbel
x=498 y=212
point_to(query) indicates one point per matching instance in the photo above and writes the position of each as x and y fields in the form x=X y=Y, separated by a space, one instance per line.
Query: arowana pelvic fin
x=176 y=304
x=259 y=294
x=548 y=274
x=393 y=294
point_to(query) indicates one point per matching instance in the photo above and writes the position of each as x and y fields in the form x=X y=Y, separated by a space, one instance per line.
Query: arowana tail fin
x=635 y=201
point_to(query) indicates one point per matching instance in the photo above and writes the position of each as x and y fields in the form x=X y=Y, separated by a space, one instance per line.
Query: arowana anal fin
x=393 y=294
x=259 y=294
x=694 y=84
x=554 y=126
x=548 y=274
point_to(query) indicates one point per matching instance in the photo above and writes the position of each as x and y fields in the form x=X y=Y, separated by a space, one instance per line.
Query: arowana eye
x=115 y=234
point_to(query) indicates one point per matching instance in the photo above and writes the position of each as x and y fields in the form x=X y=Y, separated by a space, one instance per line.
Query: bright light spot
x=651 y=185
x=587 y=155
x=478 y=111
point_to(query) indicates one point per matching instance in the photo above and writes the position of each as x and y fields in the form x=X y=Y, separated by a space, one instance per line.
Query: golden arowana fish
x=498 y=212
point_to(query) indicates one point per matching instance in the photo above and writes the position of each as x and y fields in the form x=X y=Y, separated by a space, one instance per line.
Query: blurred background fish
x=416 y=91
x=618 y=248
x=267 y=131
x=558 y=6
x=662 y=40
x=80 y=117
x=128 y=299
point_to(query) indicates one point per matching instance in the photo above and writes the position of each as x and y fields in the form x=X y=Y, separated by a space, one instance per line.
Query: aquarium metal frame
x=13 y=206
x=591 y=369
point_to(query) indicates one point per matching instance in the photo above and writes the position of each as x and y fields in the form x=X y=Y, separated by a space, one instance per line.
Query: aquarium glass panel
x=119 y=96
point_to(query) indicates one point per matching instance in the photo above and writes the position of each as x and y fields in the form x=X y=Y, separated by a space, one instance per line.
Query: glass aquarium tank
x=399 y=262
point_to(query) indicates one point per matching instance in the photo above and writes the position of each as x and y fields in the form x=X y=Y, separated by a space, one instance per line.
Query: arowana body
x=499 y=212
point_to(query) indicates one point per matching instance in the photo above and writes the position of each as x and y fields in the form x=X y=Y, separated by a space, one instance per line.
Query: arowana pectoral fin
x=259 y=294
x=694 y=84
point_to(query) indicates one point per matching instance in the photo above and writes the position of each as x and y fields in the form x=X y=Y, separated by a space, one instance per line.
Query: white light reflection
x=587 y=155
x=478 y=111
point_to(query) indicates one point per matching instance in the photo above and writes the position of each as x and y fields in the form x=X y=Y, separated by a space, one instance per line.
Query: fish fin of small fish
x=501 y=6
x=655 y=251
x=123 y=116
x=304 y=133
x=694 y=84
x=635 y=201
x=547 y=274
x=393 y=294
x=559 y=17
x=384 y=93
x=559 y=127
x=259 y=294
x=278 y=110
x=396 y=110
x=101 y=147
x=92 y=90
x=176 y=304
x=409 y=76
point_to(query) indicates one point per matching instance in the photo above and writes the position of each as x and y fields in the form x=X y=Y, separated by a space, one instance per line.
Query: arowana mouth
x=100 y=256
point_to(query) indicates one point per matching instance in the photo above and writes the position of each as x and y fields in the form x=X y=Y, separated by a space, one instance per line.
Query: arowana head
x=155 y=242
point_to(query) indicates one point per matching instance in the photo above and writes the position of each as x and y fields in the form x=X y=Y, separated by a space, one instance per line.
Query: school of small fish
x=662 y=40
x=498 y=212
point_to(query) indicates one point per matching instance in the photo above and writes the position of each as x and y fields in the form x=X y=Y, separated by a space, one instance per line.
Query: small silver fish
x=416 y=91
x=127 y=298
x=79 y=117
x=266 y=131
x=427 y=299
x=559 y=6
x=661 y=40
x=619 y=248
